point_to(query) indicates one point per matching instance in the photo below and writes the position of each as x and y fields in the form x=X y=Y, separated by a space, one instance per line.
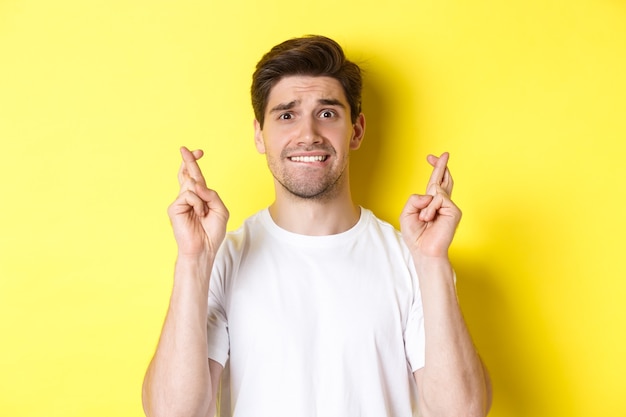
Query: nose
x=309 y=132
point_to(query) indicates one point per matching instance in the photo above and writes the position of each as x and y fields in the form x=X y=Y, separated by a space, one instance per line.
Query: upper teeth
x=317 y=158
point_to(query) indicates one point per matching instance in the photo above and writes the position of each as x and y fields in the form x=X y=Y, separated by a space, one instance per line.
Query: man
x=315 y=306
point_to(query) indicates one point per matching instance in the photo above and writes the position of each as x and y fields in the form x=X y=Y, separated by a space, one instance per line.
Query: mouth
x=309 y=158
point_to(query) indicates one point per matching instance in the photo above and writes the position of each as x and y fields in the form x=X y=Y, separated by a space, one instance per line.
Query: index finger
x=437 y=176
x=190 y=167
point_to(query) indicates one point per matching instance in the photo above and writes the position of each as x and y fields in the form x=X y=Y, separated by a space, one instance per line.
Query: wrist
x=431 y=260
x=199 y=258
x=194 y=268
x=431 y=267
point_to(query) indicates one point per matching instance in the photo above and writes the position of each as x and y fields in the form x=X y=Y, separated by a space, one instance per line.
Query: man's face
x=307 y=136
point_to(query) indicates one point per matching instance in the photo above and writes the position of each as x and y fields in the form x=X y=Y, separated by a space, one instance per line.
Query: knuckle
x=186 y=197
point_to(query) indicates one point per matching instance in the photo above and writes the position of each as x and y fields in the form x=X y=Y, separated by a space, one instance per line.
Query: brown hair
x=308 y=55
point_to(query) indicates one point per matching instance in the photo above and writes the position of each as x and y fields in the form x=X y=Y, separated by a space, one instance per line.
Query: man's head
x=308 y=55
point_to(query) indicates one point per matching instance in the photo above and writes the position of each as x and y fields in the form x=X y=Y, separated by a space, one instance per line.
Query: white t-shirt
x=316 y=325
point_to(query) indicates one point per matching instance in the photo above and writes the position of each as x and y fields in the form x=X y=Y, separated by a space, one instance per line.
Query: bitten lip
x=308 y=158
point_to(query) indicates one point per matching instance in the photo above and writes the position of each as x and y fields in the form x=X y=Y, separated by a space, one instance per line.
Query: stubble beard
x=309 y=187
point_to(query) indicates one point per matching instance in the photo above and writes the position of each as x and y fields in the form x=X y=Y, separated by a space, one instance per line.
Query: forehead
x=301 y=87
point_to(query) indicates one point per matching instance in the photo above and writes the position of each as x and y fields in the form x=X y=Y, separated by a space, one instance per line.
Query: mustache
x=310 y=148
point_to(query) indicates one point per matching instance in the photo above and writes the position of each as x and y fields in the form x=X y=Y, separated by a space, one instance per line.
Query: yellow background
x=529 y=96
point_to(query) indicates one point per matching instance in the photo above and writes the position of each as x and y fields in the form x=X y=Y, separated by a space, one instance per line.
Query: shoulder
x=235 y=248
x=389 y=239
x=250 y=229
x=383 y=228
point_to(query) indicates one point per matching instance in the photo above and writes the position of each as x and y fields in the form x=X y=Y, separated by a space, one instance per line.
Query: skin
x=178 y=381
x=307 y=138
x=310 y=117
x=454 y=381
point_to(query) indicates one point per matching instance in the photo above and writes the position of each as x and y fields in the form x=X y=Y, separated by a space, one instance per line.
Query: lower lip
x=309 y=162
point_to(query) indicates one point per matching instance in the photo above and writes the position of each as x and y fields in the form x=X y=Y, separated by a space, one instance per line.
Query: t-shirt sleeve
x=218 y=342
x=414 y=336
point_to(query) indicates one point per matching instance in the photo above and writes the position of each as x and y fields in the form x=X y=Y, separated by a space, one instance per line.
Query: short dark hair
x=312 y=55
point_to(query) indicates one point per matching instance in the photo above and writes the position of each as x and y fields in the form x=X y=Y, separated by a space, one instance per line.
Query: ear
x=258 y=137
x=358 y=133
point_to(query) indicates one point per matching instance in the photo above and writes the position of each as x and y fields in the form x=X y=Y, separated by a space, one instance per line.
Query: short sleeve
x=414 y=335
x=218 y=342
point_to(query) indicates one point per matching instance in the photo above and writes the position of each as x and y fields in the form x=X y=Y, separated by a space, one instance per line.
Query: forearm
x=177 y=382
x=453 y=380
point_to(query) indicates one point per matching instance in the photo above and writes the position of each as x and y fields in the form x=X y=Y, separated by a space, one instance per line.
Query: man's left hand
x=428 y=222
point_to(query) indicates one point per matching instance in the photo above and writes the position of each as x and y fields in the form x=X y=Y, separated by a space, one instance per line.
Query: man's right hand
x=179 y=381
x=198 y=215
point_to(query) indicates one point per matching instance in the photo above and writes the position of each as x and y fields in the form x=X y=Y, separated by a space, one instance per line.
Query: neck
x=315 y=217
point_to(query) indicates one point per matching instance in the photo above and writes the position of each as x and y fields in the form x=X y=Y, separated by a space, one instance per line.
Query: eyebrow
x=284 y=106
x=290 y=105
x=331 y=102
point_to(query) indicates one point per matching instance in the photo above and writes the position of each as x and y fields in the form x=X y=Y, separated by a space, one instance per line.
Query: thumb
x=417 y=202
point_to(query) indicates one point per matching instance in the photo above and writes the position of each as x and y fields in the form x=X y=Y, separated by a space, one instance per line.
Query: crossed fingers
x=192 y=182
x=189 y=172
x=440 y=179
x=439 y=187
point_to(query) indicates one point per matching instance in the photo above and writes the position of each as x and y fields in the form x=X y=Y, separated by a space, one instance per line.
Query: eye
x=326 y=114
x=285 y=116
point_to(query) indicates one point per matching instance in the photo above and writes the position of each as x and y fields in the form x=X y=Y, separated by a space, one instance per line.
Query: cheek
x=279 y=138
x=271 y=140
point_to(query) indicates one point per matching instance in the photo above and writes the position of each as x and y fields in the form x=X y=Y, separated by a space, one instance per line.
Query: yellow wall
x=529 y=96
